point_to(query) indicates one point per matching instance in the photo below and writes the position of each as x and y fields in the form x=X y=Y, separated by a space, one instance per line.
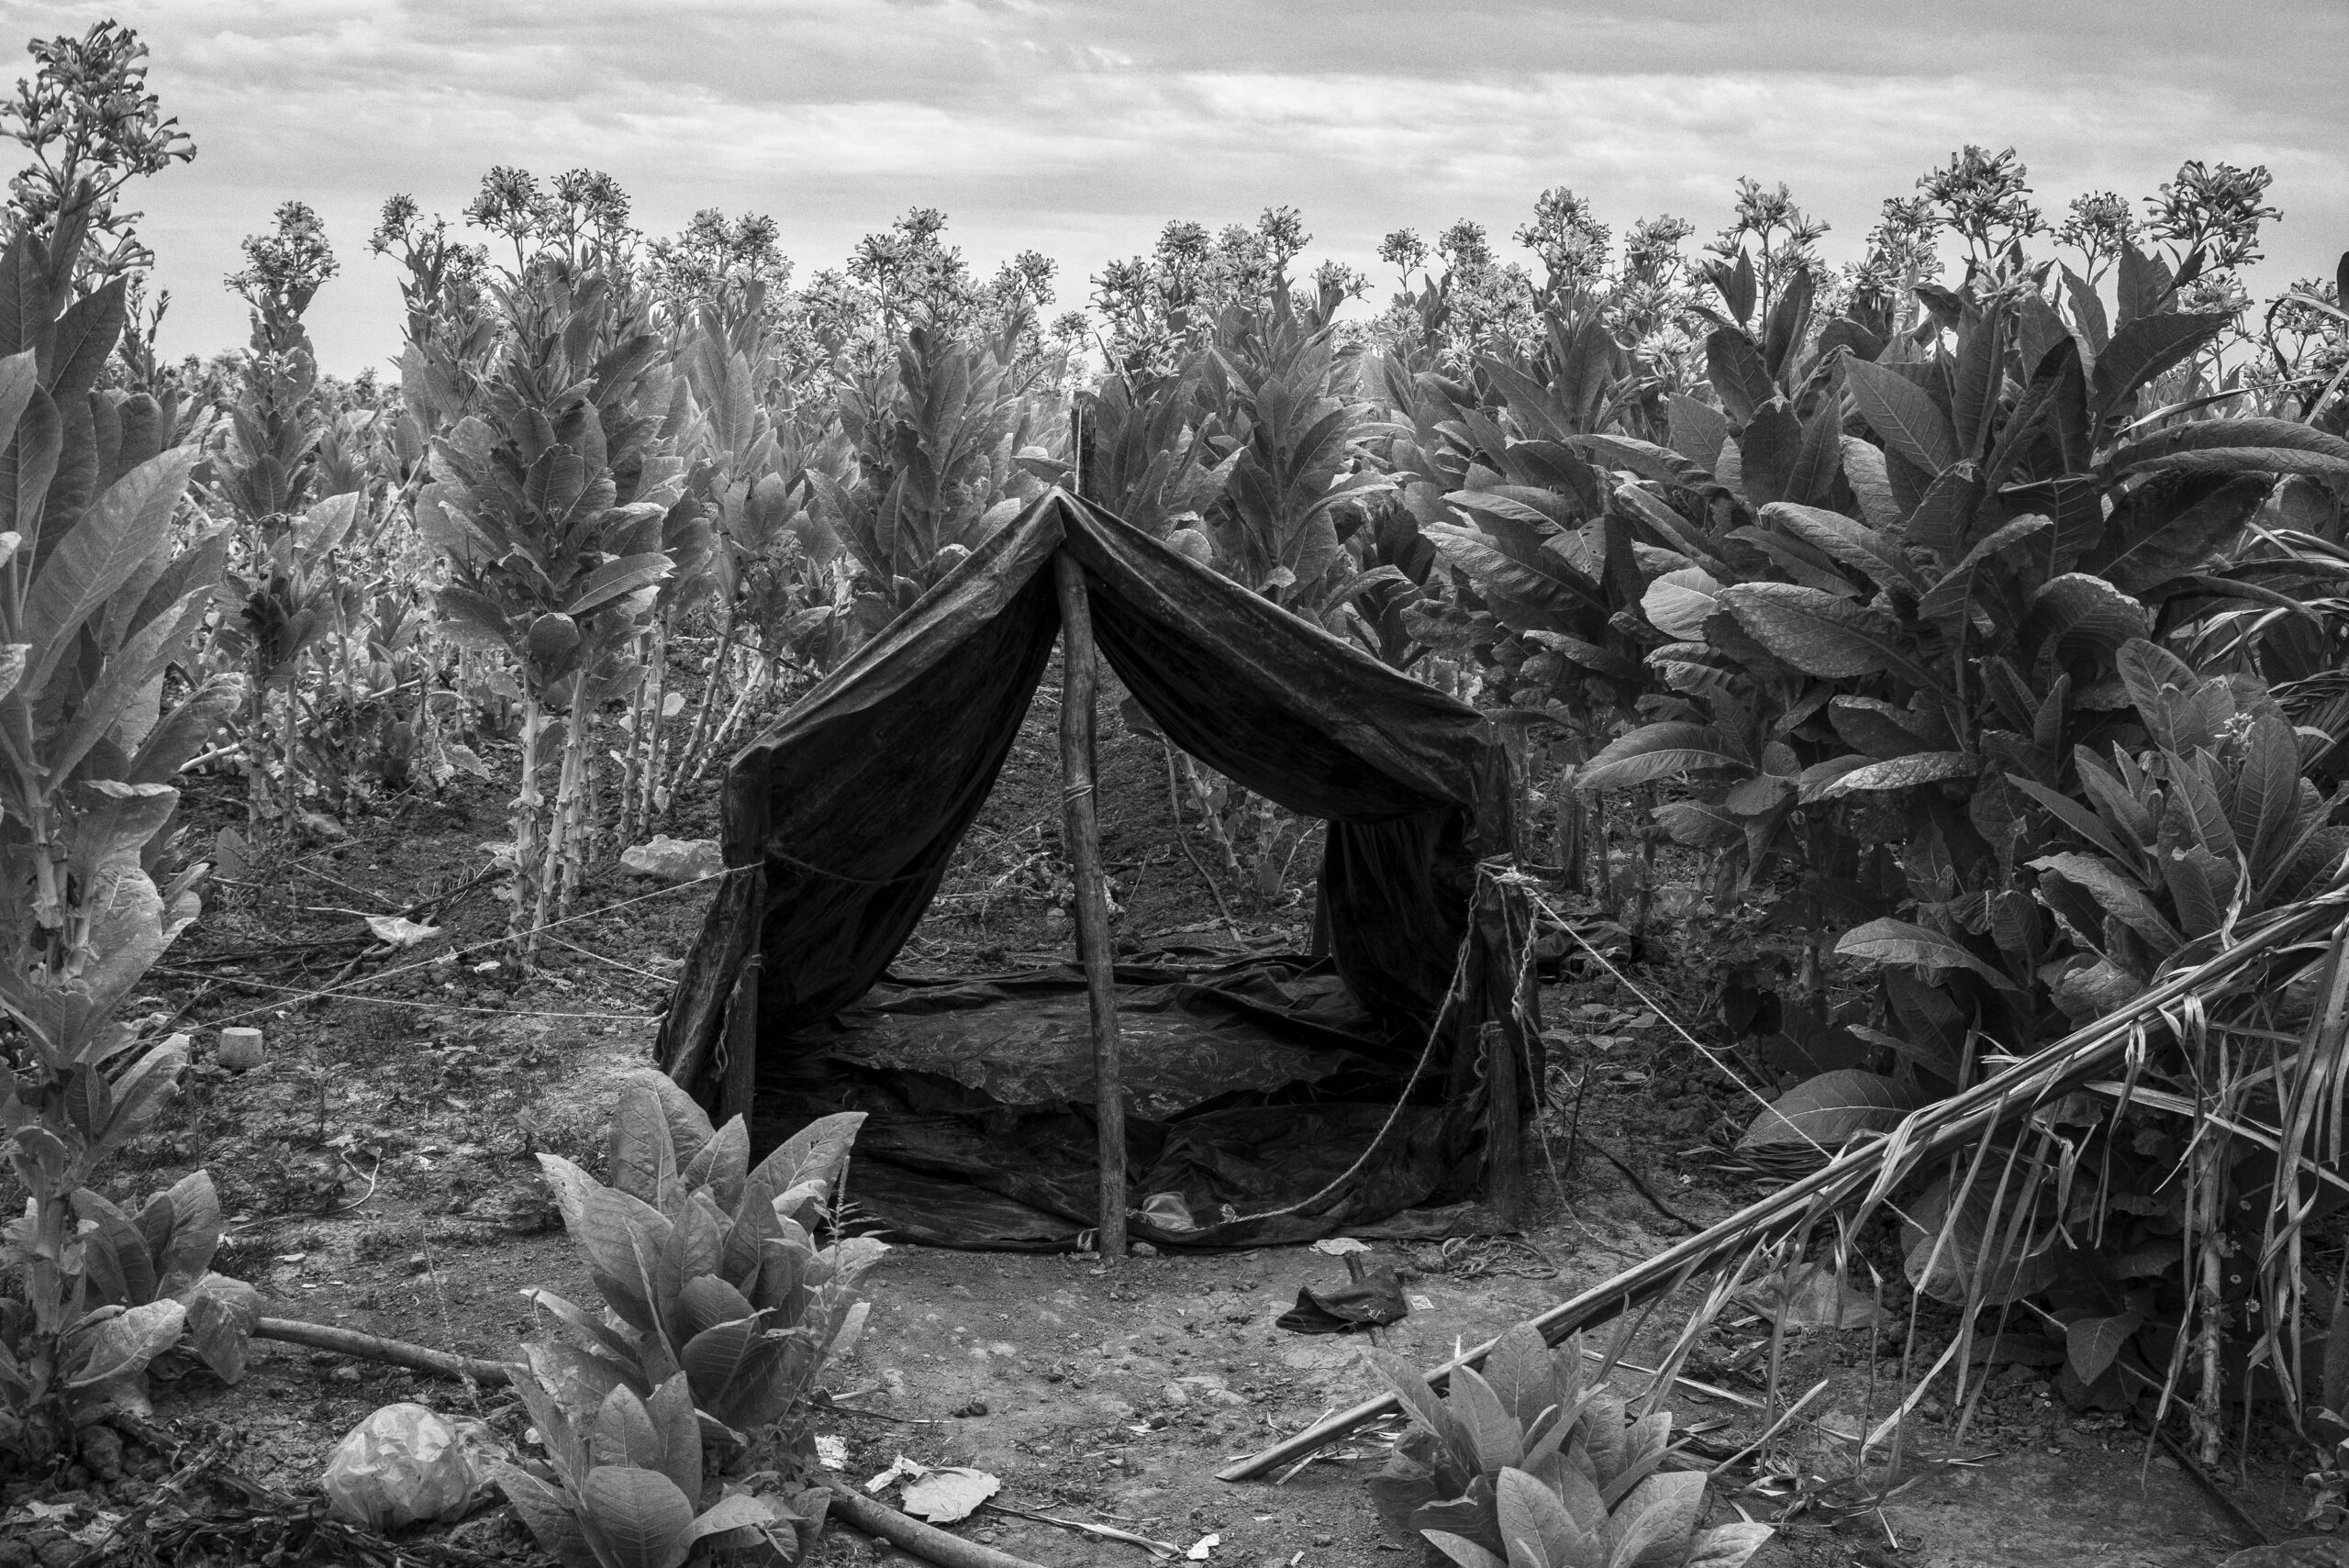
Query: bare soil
x=379 y=1172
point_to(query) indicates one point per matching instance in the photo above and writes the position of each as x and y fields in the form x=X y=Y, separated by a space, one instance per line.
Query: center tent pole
x=1079 y=678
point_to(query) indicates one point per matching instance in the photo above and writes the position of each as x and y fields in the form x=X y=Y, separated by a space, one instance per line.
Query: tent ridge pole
x=1079 y=681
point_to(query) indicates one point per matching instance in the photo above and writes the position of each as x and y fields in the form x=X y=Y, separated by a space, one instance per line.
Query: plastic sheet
x=405 y=1463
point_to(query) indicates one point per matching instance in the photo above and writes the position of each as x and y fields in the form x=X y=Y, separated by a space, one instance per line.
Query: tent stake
x=1078 y=680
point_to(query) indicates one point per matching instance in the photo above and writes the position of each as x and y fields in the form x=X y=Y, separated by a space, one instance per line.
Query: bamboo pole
x=1078 y=681
x=1868 y=1172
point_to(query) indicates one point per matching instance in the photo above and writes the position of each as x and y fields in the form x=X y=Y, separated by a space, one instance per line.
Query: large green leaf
x=1981 y=1247
x=2148 y=346
x=635 y=1519
x=124 y=1343
x=1530 y=587
x=2091 y=1344
x=1499 y=1443
x=1910 y=946
x=2172 y=524
x=1823 y=635
x=815 y=1155
x=115 y=538
x=2265 y=803
x=128 y=671
x=617 y=579
x=1663 y=464
x=2220 y=436
x=1463 y=1552
x=1863 y=469
x=1658 y=751
x=1696 y=432
x=1531 y=1513
x=221 y=1314
x=2249 y=460
x=1767 y=450
x=1904 y=772
x=1678 y=603
x=2118 y=894
x=549 y=1517
x=2075 y=816
x=1954 y=598
x=1657 y=1520
x=1729 y=1545
x=736 y=1510
x=1740 y=380
x=118 y=1264
x=1903 y=414
x=2201 y=886
x=2054 y=406
x=1883 y=730
x=1826 y=1111
x=1522 y=1372
x=2079 y=614
x=622 y=1237
x=1975 y=385
x=1851 y=542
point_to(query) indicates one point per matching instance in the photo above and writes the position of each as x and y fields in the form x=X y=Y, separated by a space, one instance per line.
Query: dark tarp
x=840 y=821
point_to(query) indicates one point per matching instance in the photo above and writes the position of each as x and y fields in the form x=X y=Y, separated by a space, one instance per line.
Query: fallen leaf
x=1204 y=1545
x=944 y=1496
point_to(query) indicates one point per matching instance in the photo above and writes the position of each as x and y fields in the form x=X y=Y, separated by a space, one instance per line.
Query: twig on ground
x=1645 y=1191
x=1161 y=1550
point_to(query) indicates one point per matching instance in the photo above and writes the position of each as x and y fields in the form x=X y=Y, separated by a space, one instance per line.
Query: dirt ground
x=379 y=1173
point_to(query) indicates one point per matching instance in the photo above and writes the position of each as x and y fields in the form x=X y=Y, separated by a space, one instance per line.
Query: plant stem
x=526 y=820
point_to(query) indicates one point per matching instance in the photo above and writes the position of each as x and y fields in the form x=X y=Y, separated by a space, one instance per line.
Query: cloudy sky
x=1079 y=126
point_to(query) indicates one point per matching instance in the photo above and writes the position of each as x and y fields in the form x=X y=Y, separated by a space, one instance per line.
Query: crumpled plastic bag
x=1373 y=1299
x=406 y=1464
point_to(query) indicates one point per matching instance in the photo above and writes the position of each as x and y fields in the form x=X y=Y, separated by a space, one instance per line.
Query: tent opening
x=1252 y=1086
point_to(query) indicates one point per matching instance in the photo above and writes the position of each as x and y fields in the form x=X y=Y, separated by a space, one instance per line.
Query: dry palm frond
x=1965 y=1128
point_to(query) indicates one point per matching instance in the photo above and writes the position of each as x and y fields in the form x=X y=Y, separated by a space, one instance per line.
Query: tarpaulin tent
x=840 y=822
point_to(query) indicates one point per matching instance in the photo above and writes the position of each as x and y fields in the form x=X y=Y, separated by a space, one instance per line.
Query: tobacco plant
x=96 y=607
x=1876 y=676
x=1530 y=1466
x=720 y=1311
x=1933 y=678
x=549 y=508
x=289 y=568
x=951 y=440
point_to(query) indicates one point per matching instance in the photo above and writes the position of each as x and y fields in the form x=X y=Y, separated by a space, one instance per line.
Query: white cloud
x=1077 y=126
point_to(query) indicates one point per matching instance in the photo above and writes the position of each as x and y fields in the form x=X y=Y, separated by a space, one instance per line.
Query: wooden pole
x=1078 y=680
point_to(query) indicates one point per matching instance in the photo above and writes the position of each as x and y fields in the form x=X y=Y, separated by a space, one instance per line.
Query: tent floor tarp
x=1252 y=1085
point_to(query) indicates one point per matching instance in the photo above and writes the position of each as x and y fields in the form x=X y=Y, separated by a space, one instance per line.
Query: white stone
x=240 y=1050
x=675 y=860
